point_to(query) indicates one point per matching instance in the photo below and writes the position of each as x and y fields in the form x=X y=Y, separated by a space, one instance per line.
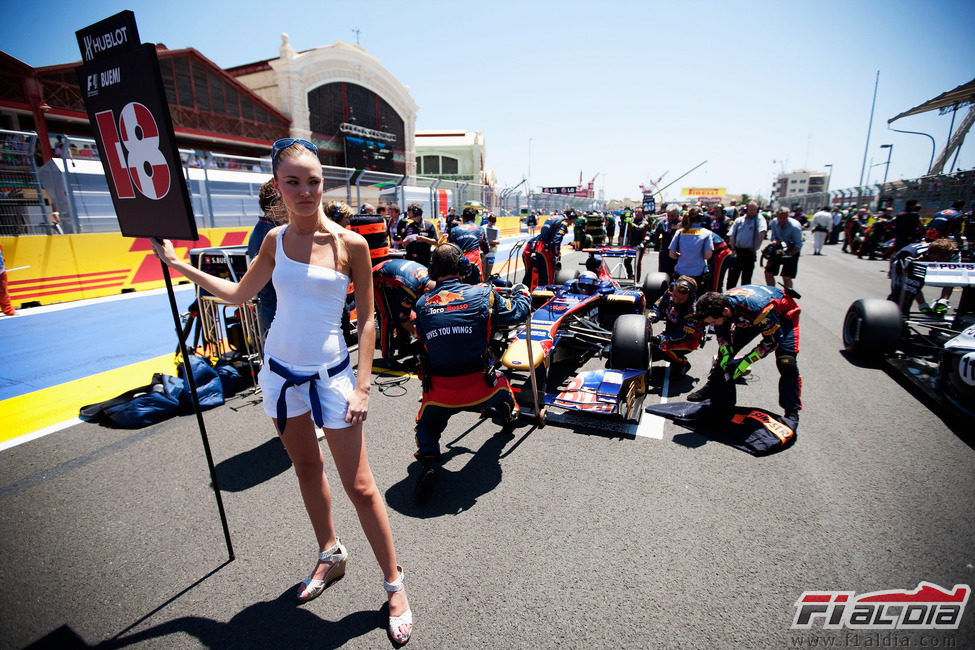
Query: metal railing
x=23 y=207
x=224 y=188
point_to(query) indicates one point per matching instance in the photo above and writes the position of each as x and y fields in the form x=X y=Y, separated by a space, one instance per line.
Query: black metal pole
x=196 y=407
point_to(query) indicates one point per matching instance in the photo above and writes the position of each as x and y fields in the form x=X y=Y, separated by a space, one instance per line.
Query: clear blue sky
x=626 y=90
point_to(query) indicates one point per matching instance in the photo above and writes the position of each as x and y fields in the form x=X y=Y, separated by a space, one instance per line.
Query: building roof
x=963 y=94
x=455 y=138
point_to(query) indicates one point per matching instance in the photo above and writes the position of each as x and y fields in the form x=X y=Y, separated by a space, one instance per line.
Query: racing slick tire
x=565 y=275
x=630 y=343
x=871 y=328
x=655 y=284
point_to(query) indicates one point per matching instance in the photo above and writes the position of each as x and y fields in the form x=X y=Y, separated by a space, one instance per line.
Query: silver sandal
x=406 y=618
x=337 y=557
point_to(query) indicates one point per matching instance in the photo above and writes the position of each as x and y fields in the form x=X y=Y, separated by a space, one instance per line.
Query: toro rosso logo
x=444 y=298
x=929 y=607
x=441 y=300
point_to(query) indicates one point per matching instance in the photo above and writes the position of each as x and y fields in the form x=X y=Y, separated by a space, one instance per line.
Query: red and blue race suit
x=397 y=283
x=543 y=251
x=946 y=223
x=721 y=260
x=454 y=322
x=682 y=332
x=472 y=241
x=758 y=309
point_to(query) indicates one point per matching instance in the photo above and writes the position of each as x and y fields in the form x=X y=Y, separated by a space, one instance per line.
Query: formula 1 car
x=934 y=353
x=584 y=316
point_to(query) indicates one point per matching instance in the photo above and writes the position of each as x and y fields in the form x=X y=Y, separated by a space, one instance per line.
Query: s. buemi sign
x=126 y=103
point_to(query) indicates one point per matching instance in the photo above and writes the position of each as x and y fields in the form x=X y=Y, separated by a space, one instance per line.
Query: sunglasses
x=284 y=143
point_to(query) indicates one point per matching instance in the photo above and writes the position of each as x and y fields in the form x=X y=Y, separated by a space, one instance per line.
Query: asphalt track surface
x=551 y=537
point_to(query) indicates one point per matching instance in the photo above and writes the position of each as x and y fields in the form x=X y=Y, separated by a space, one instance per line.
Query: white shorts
x=333 y=392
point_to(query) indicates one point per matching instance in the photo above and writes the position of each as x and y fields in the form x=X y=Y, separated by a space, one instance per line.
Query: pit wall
x=62 y=268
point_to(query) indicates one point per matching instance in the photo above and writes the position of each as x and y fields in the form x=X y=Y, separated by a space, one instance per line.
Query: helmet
x=588 y=282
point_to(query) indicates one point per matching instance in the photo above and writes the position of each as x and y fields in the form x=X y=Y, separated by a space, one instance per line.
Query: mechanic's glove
x=409 y=239
x=725 y=355
x=520 y=288
x=655 y=341
x=654 y=317
x=744 y=363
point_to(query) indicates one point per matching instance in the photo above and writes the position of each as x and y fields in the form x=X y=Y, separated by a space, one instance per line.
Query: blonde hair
x=324 y=224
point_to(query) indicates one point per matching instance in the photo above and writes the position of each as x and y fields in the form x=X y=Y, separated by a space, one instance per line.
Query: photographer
x=783 y=251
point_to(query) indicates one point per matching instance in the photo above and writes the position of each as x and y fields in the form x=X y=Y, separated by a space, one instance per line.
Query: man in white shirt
x=822 y=224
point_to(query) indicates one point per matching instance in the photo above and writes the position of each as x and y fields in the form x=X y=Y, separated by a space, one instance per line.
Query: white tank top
x=307 y=326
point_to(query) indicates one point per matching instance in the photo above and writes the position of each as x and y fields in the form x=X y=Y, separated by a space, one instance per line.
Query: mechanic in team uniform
x=947 y=223
x=473 y=243
x=635 y=230
x=417 y=235
x=453 y=322
x=663 y=234
x=738 y=316
x=543 y=252
x=722 y=260
x=682 y=332
x=397 y=284
x=940 y=250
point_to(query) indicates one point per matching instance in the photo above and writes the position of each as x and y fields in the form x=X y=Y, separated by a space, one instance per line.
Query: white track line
x=652 y=426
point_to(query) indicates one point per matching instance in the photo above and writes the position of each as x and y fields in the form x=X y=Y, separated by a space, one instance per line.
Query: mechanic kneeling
x=738 y=316
x=682 y=331
x=454 y=322
x=397 y=283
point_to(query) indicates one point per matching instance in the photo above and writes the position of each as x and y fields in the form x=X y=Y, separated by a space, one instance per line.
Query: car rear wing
x=943 y=274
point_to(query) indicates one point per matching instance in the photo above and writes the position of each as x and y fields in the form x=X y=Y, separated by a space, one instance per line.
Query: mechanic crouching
x=397 y=283
x=738 y=316
x=682 y=331
x=453 y=322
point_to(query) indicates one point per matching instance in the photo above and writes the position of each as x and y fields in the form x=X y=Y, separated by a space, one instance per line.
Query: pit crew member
x=417 y=235
x=738 y=316
x=473 y=243
x=940 y=250
x=635 y=231
x=453 y=322
x=397 y=284
x=544 y=251
x=682 y=332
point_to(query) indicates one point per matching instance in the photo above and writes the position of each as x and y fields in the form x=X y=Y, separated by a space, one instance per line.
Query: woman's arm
x=235 y=293
x=360 y=265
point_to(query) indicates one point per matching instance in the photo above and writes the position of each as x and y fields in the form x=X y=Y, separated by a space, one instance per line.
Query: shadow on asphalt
x=268 y=624
x=253 y=467
x=456 y=488
x=956 y=421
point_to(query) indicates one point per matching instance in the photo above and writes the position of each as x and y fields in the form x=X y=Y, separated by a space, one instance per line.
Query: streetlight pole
x=829 y=176
x=529 y=175
x=890 y=150
x=926 y=135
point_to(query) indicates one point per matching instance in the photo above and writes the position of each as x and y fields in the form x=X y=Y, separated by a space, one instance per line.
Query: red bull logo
x=444 y=297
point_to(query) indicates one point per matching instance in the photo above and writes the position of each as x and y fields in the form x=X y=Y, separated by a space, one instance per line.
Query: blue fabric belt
x=292 y=379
